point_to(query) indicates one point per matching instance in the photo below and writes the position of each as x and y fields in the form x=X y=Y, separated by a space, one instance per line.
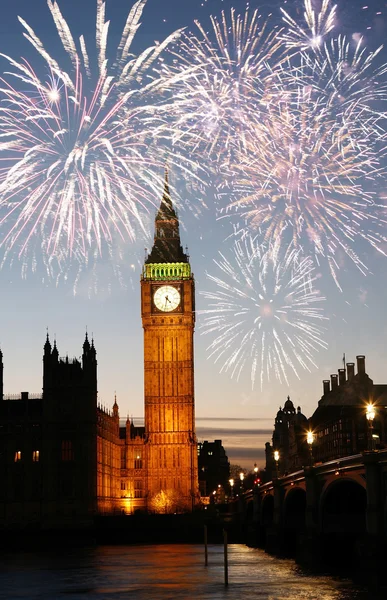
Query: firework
x=79 y=156
x=227 y=74
x=264 y=312
x=311 y=171
x=318 y=25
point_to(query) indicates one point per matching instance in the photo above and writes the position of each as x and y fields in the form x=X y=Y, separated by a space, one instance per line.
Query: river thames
x=164 y=572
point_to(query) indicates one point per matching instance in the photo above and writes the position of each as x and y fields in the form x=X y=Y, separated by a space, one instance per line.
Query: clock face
x=166 y=298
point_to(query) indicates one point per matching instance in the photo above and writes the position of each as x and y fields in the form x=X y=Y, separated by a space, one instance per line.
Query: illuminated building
x=64 y=458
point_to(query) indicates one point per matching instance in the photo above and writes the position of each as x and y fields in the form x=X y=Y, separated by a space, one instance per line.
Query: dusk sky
x=106 y=299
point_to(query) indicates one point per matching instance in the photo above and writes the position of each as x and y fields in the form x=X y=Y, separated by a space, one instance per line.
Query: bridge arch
x=267 y=510
x=343 y=506
x=294 y=513
x=266 y=518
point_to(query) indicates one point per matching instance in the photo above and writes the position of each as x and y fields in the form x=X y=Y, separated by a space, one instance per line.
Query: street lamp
x=255 y=469
x=310 y=440
x=241 y=477
x=370 y=414
x=231 y=482
x=276 y=458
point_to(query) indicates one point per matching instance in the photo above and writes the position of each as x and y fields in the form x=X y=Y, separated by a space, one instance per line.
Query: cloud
x=242 y=446
x=246 y=457
x=217 y=432
x=248 y=419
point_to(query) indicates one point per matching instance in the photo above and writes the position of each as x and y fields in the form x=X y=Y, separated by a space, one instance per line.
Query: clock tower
x=168 y=318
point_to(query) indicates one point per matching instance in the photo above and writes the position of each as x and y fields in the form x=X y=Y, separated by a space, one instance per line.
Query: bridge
x=331 y=513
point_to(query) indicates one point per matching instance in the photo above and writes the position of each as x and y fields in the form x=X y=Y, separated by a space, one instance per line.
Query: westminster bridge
x=329 y=513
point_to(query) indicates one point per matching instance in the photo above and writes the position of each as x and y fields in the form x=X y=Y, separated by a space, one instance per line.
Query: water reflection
x=163 y=572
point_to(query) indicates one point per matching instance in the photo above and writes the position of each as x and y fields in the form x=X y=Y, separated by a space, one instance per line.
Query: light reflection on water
x=163 y=572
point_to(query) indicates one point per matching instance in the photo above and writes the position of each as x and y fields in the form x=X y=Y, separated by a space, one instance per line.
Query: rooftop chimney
x=334 y=381
x=341 y=376
x=350 y=371
x=326 y=386
x=361 y=365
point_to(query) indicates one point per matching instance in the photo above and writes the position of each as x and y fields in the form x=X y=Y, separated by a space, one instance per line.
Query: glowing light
x=310 y=437
x=53 y=95
x=370 y=412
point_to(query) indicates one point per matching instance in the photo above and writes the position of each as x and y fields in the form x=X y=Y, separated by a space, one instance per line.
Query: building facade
x=214 y=467
x=339 y=424
x=64 y=458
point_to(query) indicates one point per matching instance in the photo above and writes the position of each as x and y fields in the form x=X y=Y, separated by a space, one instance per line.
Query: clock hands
x=166 y=298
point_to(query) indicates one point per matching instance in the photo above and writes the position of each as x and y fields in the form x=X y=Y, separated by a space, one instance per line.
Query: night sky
x=109 y=308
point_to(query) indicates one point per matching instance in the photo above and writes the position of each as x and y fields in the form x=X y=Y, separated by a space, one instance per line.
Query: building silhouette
x=64 y=458
x=289 y=439
x=214 y=467
x=339 y=424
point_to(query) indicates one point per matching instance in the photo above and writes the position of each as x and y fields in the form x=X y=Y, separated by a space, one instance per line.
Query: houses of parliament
x=65 y=459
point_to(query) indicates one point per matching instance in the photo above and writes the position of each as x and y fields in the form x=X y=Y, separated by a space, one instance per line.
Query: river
x=175 y=572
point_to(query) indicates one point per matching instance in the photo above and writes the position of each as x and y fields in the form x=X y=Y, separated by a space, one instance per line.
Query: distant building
x=339 y=424
x=288 y=439
x=214 y=467
x=64 y=458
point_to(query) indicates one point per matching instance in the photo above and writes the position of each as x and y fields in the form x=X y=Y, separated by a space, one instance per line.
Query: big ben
x=168 y=318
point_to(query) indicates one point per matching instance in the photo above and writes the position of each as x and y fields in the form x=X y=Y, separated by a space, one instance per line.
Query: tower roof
x=47 y=345
x=166 y=246
x=86 y=344
x=289 y=406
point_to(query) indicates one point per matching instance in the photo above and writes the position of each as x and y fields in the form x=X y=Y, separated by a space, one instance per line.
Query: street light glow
x=310 y=437
x=370 y=413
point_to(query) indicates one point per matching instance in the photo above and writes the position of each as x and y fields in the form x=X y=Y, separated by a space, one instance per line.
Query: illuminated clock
x=166 y=298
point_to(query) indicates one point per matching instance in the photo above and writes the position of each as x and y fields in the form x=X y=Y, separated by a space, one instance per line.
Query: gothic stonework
x=63 y=457
x=168 y=317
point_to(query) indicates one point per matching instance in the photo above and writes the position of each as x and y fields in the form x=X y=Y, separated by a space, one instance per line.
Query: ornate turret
x=55 y=353
x=47 y=346
x=289 y=407
x=115 y=407
x=86 y=345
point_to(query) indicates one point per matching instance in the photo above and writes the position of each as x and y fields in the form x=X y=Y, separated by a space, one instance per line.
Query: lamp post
x=231 y=482
x=310 y=440
x=276 y=458
x=370 y=414
x=241 y=477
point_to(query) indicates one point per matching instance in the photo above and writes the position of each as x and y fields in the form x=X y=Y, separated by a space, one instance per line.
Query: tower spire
x=166 y=246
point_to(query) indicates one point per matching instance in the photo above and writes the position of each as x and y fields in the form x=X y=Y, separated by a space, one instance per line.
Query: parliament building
x=65 y=459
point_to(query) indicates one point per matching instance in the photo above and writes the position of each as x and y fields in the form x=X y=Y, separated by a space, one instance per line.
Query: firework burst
x=221 y=78
x=318 y=25
x=311 y=171
x=78 y=151
x=264 y=312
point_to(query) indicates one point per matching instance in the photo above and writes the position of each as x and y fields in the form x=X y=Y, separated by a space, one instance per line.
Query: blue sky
x=226 y=409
